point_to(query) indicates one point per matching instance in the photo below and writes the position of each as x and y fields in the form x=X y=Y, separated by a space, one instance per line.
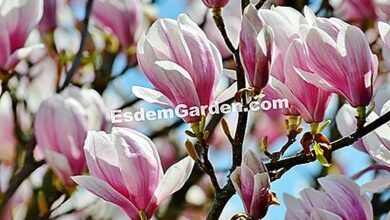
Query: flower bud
x=215 y=3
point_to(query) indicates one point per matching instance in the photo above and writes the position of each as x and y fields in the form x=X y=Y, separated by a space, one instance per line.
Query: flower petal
x=174 y=179
x=106 y=192
x=151 y=96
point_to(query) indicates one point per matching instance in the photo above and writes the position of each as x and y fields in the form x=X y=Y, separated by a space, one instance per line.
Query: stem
x=368 y=169
x=217 y=16
x=260 y=4
x=30 y=165
x=336 y=145
x=223 y=195
x=79 y=54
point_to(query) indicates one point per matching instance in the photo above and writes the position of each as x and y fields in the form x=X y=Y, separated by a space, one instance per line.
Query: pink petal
x=106 y=192
x=139 y=163
x=320 y=214
x=379 y=184
x=354 y=47
x=346 y=194
x=60 y=165
x=102 y=160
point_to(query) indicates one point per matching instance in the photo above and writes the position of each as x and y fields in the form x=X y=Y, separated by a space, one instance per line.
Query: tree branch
x=336 y=145
x=79 y=54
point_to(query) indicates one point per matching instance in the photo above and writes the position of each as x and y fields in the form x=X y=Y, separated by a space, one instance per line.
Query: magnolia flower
x=255 y=48
x=122 y=17
x=49 y=18
x=93 y=103
x=215 y=3
x=252 y=184
x=60 y=128
x=346 y=67
x=310 y=101
x=377 y=143
x=17 y=19
x=354 y=10
x=341 y=199
x=7 y=127
x=126 y=170
x=181 y=63
x=346 y=124
x=384 y=31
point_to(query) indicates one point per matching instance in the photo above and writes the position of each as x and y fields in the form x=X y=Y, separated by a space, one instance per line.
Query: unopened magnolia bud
x=192 y=151
x=215 y=3
x=225 y=127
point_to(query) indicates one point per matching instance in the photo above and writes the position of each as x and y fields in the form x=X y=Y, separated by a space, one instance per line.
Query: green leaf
x=320 y=155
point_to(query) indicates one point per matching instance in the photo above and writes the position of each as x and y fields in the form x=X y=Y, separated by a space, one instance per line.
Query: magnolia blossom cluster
x=283 y=54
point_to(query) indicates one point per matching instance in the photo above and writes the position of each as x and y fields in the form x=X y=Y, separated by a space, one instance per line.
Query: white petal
x=377 y=185
x=227 y=93
x=151 y=96
x=320 y=214
x=174 y=178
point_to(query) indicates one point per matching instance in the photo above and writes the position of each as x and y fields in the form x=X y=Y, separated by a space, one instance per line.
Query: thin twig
x=260 y=4
x=79 y=54
x=336 y=145
x=30 y=165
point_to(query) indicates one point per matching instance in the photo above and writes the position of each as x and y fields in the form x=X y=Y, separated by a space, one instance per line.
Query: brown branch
x=260 y=4
x=217 y=16
x=336 y=145
x=30 y=165
x=223 y=195
x=207 y=166
x=79 y=54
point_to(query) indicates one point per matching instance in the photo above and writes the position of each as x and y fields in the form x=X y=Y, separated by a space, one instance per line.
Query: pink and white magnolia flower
x=215 y=3
x=93 y=103
x=255 y=48
x=17 y=19
x=252 y=184
x=126 y=170
x=310 y=101
x=345 y=66
x=181 y=63
x=7 y=127
x=346 y=124
x=354 y=9
x=60 y=127
x=340 y=199
x=49 y=19
x=359 y=10
x=377 y=143
x=374 y=143
x=122 y=17
x=384 y=31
